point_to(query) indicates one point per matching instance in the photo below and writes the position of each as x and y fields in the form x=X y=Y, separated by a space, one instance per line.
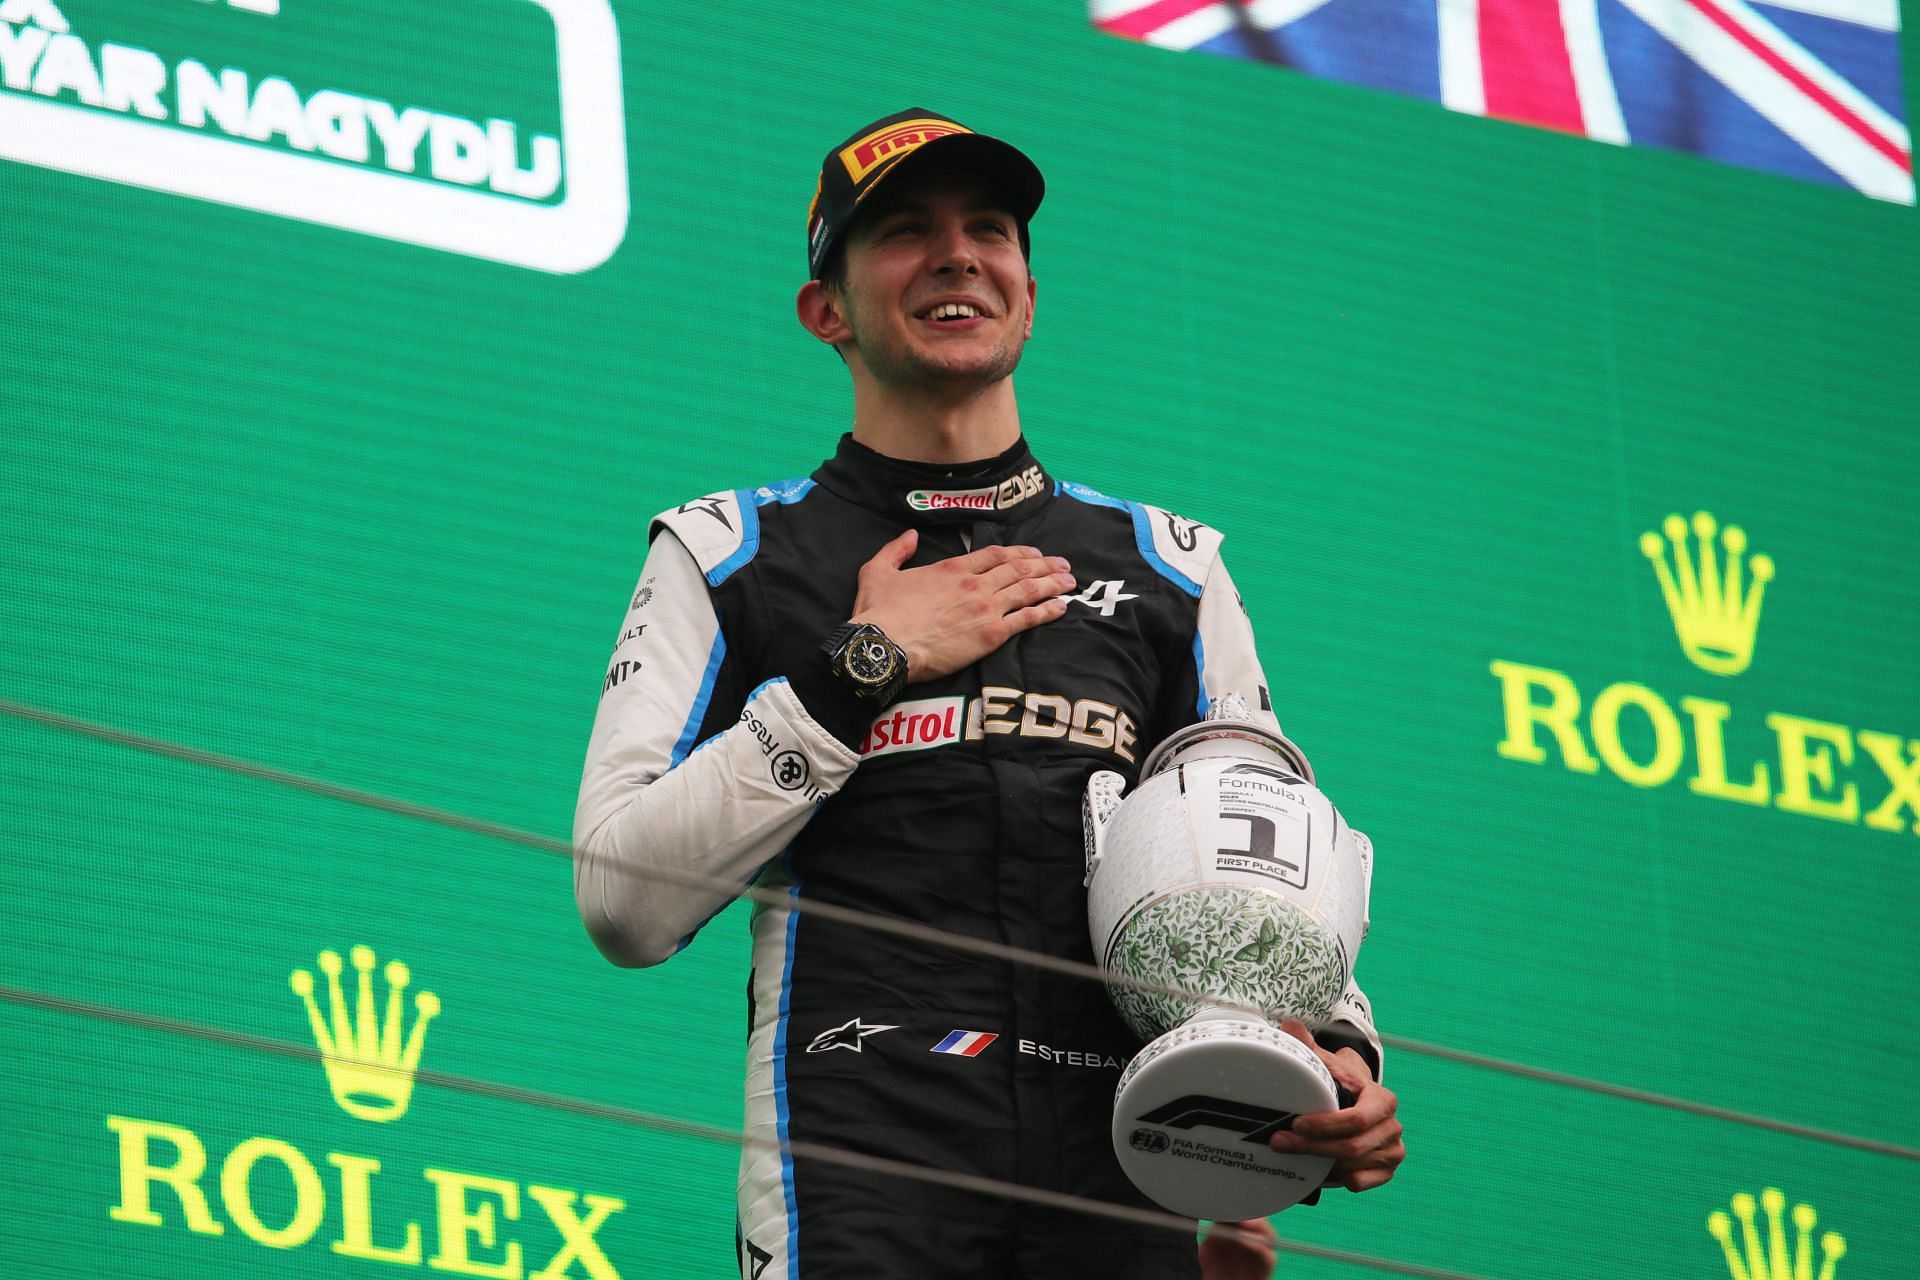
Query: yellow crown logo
x=1714 y=614
x=1775 y=1261
x=368 y=1068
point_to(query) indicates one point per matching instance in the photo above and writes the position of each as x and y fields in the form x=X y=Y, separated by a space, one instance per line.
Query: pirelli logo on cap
x=891 y=142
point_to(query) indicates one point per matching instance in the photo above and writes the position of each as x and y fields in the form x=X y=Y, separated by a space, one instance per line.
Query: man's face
x=937 y=288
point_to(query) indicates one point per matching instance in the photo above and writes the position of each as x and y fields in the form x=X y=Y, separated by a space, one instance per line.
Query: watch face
x=870 y=660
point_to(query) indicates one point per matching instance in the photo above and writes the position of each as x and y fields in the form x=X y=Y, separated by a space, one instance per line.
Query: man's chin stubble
x=908 y=366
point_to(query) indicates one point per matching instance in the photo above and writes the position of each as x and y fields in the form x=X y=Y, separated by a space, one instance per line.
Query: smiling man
x=884 y=687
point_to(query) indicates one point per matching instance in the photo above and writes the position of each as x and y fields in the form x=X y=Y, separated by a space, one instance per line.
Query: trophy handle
x=1097 y=807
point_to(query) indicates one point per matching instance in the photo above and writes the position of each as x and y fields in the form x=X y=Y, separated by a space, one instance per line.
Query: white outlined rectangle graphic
x=579 y=232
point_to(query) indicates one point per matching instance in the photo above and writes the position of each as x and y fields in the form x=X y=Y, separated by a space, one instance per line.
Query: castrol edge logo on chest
x=938 y=722
x=994 y=497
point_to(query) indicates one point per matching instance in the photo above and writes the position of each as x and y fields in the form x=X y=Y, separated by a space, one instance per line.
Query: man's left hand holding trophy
x=1227 y=900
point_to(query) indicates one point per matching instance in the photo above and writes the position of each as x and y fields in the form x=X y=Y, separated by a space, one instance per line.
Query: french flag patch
x=966 y=1044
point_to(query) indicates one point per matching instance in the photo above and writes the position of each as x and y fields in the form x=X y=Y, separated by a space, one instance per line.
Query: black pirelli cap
x=912 y=138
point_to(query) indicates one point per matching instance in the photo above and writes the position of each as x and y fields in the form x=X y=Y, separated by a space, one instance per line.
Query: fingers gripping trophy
x=1228 y=875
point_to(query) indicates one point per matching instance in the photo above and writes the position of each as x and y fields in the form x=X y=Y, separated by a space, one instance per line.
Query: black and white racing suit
x=723 y=745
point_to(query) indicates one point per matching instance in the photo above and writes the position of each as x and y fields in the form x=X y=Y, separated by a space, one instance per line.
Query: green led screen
x=346 y=350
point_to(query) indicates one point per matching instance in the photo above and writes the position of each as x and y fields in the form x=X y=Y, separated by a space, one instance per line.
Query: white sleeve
x=653 y=800
x=1230 y=663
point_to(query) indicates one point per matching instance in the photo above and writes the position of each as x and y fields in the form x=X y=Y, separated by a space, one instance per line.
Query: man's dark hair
x=833 y=272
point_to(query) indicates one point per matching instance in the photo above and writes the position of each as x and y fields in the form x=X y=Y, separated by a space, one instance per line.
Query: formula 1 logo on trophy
x=1227 y=874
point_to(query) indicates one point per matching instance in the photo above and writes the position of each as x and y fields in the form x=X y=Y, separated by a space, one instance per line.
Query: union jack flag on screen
x=1805 y=88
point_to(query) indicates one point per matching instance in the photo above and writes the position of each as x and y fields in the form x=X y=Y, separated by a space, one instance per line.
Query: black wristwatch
x=865 y=661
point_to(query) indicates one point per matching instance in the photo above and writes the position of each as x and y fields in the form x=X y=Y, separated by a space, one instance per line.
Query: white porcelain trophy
x=1225 y=874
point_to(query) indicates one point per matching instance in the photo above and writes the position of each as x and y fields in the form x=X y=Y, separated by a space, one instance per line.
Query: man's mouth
x=953 y=312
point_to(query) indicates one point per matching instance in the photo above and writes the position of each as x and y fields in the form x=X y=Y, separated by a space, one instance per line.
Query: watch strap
x=837 y=639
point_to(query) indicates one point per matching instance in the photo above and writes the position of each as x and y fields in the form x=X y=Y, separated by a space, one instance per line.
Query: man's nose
x=953 y=251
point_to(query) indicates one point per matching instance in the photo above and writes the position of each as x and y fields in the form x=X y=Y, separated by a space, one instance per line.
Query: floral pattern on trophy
x=1244 y=946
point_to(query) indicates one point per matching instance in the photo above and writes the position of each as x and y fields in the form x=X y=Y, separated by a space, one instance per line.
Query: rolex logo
x=1774 y=1259
x=347 y=1204
x=369 y=1068
x=1715 y=610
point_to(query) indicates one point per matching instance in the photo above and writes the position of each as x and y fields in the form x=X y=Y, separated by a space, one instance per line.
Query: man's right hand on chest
x=949 y=615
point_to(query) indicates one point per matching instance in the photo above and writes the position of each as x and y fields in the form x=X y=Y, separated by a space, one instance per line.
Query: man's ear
x=819 y=310
x=1033 y=291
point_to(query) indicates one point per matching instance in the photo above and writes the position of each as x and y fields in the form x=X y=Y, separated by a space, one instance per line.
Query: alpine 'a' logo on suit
x=1103 y=597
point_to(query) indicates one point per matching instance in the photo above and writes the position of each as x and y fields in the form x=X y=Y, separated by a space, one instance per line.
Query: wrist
x=831 y=704
x=866 y=662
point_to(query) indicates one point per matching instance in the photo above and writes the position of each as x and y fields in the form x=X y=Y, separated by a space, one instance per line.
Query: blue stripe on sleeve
x=1200 y=676
x=705 y=696
x=749 y=540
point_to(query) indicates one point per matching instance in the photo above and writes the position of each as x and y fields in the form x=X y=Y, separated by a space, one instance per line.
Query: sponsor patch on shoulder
x=916 y=726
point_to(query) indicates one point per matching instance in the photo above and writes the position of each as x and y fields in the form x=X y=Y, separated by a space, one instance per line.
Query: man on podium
x=884 y=687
